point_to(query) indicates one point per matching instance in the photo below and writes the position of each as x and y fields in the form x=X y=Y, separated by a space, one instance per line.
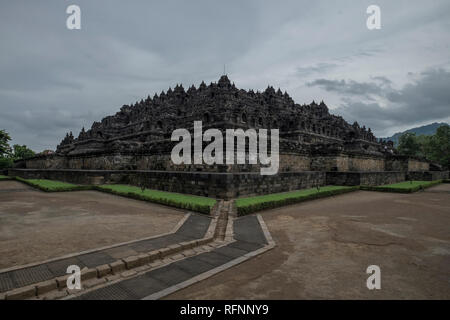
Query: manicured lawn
x=257 y=203
x=184 y=201
x=51 y=185
x=403 y=187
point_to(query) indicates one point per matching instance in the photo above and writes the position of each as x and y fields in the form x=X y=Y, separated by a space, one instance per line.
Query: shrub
x=6 y=162
x=258 y=203
x=182 y=201
x=403 y=187
x=52 y=186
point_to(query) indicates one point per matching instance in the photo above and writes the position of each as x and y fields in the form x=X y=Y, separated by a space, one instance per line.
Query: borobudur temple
x=315 y=147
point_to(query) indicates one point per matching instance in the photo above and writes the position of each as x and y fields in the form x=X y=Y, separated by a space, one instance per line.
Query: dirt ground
x=325 y=246
x=36 y=226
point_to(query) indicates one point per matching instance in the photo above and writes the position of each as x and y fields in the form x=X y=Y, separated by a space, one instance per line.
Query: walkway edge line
x=271 y=244
x=70 y=255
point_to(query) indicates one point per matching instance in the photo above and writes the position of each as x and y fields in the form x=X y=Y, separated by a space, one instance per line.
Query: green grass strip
x=258 y=203
x=403 y=187
x=178 y=200
x=2 y=177
x=51 y=185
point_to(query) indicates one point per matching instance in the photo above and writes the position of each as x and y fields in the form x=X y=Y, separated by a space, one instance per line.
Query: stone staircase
x=198 y=247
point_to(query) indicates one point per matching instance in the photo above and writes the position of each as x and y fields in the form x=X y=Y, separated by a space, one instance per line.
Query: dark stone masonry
x=316 y=148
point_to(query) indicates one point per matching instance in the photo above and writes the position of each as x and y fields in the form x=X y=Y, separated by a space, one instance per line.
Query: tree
x=5 y=149
x=438 y=147
x=8 y=155
x=435 y=147
x=409 y=145
x=22 y=152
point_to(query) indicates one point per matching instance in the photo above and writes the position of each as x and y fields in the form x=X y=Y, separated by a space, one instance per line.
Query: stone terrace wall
x=211 y=184
x=364 y=178
x=427 y=175
x=404 y=163
x=417 y=165
x=244 y=184
x=344 y=163
x=117 y=161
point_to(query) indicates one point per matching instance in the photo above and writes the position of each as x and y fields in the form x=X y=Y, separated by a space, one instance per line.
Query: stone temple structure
x=316 y=148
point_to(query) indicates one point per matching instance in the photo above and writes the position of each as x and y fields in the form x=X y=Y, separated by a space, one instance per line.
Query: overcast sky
x=54 y=80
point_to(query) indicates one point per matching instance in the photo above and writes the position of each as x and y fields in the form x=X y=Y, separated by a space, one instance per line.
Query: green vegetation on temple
x=253 y=204
x=403 y=187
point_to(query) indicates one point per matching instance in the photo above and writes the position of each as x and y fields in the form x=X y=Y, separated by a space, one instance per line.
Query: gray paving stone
x=111 y=292
x=231 y=252
x=156 y=280
x=142 y=286
x=248 y=229
x=7 y=282
x=246 y=246
x=195 y=227
x=26 y=276
x=213 y=258
x=193 y=266
x=94 y=259
x=169 y=275
x=59 y=267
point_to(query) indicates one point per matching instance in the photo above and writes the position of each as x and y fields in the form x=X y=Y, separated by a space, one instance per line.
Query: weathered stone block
x=103 y=270
x=62 y=282
x=117 y=266
x=46 y=286
x=131 y=262
x=21 y=293
x=87 y=274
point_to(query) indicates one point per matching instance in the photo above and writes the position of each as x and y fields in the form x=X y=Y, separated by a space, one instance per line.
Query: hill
x=427 y=130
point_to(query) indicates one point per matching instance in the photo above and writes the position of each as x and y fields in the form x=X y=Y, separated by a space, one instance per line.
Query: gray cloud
x=424 y=100
x=53 y=80
x=317 y=68
x=349 y=87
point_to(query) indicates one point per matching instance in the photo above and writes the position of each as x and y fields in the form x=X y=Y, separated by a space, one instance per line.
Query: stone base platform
x=356 y=178
x=210 y=184
x=226 y=185
x=427 y=175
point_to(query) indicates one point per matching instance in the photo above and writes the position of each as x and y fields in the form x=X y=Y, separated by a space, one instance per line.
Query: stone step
x=97 y=266
x=222 y=220
x=155 y=282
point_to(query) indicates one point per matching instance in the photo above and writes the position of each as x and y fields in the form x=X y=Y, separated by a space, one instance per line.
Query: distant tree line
x=435 y=147
x=8 y=154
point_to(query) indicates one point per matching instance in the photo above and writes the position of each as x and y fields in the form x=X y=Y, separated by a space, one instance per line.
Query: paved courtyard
x=36 y=226
x=324 y=247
